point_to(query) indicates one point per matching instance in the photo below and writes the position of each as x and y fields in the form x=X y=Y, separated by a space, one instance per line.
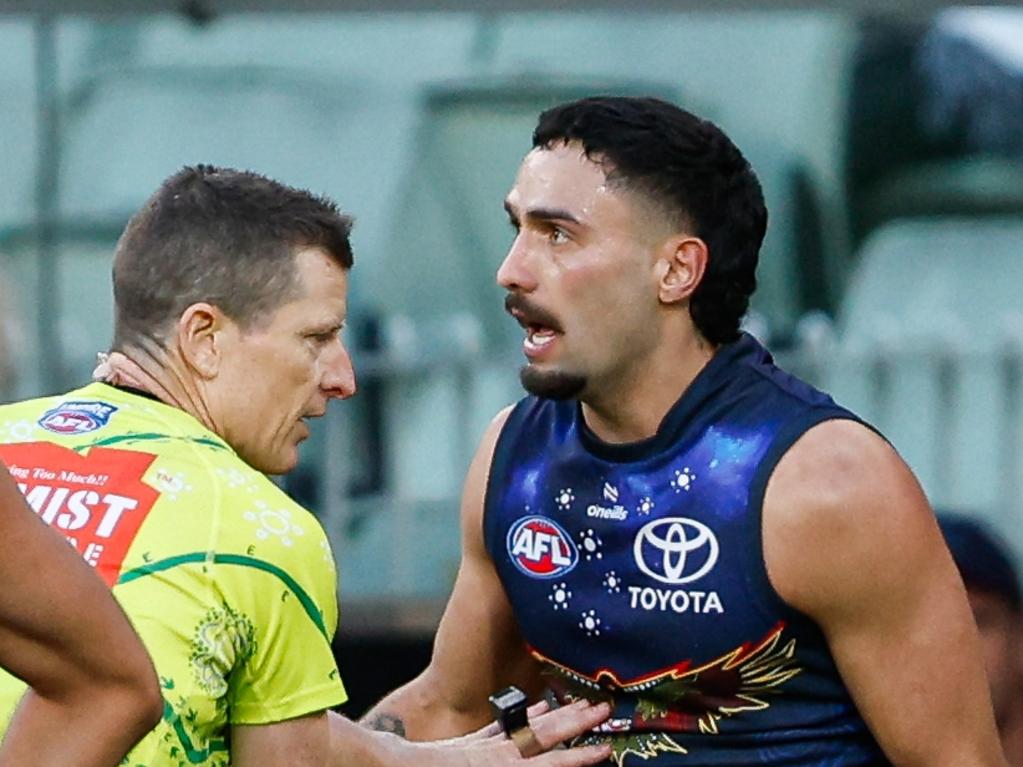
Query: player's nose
x=514 y=272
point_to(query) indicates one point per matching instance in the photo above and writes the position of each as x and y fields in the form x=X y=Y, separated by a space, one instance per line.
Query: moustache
x=528 y=313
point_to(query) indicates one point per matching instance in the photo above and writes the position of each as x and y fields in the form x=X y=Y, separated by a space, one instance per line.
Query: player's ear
x=682 y=267
x=201 y=335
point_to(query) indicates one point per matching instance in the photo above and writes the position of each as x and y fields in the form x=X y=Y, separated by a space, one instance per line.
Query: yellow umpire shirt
x=230 y=584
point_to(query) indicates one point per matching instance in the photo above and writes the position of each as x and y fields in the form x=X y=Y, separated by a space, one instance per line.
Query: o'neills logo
x=540 y=548
x=614 y=511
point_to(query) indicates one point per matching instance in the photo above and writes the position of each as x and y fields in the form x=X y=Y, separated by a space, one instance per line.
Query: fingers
x=488 y=731
x=567 y=722
x=573 y=757
x=489 y=746
x=494 y=728
x=538 y=708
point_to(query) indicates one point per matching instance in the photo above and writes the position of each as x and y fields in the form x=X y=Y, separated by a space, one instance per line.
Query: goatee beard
x=552 y=384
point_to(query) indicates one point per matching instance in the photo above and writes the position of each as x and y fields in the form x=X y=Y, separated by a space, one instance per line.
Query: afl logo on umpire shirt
x=676 y=550
x=77 y=417
x=540 y=548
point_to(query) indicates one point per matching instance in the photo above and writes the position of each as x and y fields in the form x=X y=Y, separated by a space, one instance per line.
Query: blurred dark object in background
x=935 y=124
x=374 y=664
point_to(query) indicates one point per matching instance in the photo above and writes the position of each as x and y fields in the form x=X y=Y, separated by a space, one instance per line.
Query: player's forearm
x=409 y=712
x=95 y=728
x=353 y=744
x=417 y=711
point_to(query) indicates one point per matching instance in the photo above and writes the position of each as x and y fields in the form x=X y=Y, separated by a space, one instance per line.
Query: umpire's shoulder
x=259 y=519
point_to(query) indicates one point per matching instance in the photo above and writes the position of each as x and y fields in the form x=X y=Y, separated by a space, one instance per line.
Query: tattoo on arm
x=387 y=723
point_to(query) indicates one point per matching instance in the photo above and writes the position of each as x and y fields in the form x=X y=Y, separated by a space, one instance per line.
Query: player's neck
x=634 y=405
x=148 y=367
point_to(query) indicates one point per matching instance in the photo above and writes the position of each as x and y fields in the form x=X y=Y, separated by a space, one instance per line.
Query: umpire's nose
x=338 y=380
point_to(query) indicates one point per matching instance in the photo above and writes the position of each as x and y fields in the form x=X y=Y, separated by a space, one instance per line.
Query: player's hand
x=489 y=747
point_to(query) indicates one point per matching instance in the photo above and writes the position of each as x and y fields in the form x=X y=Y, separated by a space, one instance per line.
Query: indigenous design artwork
x=680 y=699
x=225 y=639
x=181 y=740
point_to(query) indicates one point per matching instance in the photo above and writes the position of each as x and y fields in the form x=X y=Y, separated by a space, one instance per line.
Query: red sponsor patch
x=97 y=500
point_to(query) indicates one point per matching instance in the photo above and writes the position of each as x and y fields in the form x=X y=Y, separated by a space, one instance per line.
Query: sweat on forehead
x=564 y=168
x=648 y=199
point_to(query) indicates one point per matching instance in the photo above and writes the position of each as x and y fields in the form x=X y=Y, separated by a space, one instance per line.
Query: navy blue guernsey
x=637 y=576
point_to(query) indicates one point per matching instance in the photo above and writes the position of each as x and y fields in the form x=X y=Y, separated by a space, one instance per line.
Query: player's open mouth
x=538 y=339
x=542 y=328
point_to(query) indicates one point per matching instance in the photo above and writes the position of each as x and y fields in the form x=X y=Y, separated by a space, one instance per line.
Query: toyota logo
x=676 y=550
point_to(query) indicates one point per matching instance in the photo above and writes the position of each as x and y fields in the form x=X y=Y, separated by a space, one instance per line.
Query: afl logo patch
x=540 y=548
x=77 y=417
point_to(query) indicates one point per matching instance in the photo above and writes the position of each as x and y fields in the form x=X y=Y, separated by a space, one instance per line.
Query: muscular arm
x=478 y=649
x=850 y=540
x=93 y=691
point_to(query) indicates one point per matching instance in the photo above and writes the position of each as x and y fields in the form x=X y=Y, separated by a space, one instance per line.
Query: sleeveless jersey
x=229 y=583
x=637 y=576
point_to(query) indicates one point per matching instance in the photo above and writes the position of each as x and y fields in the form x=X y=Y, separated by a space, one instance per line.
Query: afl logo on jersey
x=676 y=550
x=77 y=417
x=540 y=548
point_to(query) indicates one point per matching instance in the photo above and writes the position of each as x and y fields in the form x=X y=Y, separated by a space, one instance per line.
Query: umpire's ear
x=202 y=331
x=680 y=268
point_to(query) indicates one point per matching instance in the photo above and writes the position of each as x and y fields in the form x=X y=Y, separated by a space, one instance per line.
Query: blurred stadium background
x=888 y=137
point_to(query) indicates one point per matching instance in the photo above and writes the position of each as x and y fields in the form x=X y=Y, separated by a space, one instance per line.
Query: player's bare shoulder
x=479 y=471
x=493 y=433
x=839 y=500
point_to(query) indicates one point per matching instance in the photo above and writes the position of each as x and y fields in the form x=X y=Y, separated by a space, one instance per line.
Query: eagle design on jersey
x=681 y=698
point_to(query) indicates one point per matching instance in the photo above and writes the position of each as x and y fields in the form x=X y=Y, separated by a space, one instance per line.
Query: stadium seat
x=128 y=129
x=973 y=185
x=929 y=350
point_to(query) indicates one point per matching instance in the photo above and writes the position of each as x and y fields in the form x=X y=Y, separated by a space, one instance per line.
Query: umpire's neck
x=148 y=366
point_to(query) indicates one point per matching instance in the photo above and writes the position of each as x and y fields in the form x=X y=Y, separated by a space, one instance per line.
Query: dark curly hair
x=692 y=170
